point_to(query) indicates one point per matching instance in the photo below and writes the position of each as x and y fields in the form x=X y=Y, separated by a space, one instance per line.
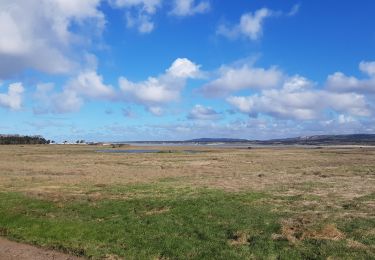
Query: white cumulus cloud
x=233 y=79
x=143 y=22
x=86 y=85
x=13 y=98
x=90 y=84
x=298 y=100
x=342 y=83
x=184 y=68
x=189 y=7
x=368 y=67
x=152 y=93
x=148 y=6
x=139 y=13
x=250 y=25
x=200 y=112
x=37 y=34
x=156 y=91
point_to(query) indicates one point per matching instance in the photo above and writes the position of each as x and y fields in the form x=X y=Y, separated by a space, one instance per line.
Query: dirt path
x=16 y=251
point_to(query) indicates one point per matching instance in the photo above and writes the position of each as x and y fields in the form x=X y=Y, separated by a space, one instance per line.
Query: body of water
x=145 y=151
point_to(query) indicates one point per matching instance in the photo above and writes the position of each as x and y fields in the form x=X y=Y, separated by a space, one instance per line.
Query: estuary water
x=128 y=151
x=145 y=151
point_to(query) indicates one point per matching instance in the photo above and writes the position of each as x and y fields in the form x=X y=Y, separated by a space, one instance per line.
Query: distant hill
x=353 y=139
x=217 y=140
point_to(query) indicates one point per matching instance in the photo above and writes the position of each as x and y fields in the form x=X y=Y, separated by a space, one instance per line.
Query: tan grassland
x=345 y=173
x=329 y=180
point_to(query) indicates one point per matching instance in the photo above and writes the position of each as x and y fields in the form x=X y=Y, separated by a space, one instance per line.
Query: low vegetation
x=216 y=204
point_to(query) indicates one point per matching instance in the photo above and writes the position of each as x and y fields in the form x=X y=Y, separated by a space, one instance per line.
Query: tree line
x=17 y=139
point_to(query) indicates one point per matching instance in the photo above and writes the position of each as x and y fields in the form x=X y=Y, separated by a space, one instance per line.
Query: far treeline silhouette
x=19 y=139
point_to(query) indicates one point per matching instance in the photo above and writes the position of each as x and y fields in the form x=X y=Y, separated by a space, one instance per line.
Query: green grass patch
x=361 y=230
x=159 y=222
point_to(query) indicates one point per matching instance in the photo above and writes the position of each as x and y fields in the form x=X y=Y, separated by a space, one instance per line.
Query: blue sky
x=116 y=70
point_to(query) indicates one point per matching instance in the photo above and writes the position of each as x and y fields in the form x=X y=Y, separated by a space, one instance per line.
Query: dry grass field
x=260 y=203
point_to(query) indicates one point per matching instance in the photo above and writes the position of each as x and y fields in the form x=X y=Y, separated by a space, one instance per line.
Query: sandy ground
x=10 y=250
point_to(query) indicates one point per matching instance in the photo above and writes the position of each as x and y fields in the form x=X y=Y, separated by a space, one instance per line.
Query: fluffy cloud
x=37 y=33
x=140 y=21
x=149 y=6
x=49 y=101
x=139 y=13
x=250 y=25
x=351 y=103
x=233 y=79
x=200 y=112
x=90 y=85
x=86 y=85
x=368 y=67
x=342 y=83
x=52 y=36
x=156 y=91
x=287 y=102
x=280 y=96
x=184 y=68
x=297 y=100
x=66 y=102
x=188 y=7
x=13 y=98
x=152 y=93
